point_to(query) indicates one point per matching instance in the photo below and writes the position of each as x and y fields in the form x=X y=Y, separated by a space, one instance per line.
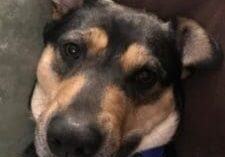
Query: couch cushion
x=21 y=23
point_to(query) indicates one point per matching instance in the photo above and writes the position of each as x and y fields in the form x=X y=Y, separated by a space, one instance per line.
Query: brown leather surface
x=203 y=128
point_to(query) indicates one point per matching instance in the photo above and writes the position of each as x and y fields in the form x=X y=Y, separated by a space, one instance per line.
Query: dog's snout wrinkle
x=69 y=89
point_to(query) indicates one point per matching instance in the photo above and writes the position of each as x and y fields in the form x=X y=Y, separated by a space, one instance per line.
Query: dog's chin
x=43 y=150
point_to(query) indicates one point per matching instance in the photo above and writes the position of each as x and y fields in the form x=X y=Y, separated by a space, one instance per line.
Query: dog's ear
x=198 y=50
x=61 y=7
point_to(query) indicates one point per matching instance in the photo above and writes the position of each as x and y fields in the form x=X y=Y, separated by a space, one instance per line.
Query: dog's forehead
x=123 y=26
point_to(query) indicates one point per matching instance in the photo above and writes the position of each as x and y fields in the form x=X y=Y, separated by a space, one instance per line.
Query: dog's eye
x=140 y=81
x=146 y=78
x=72 y=50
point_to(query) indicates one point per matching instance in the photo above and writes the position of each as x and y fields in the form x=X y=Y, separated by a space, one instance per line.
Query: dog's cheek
x=47 y=82
x=114 y=108
x=144 y=118
x=38 y=102
x=161 y=134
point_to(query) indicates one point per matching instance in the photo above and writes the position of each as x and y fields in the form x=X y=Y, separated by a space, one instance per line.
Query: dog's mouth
x=111 y=145
x=106 y=150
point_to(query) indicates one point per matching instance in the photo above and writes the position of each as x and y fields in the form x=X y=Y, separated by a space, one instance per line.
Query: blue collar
x=155 y=152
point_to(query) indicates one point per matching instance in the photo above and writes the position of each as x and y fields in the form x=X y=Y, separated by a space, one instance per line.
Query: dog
x=109 y=81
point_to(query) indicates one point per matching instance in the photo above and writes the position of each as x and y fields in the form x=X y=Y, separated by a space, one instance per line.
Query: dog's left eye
x=145 y=77
x=140 y=81
x=72 y=50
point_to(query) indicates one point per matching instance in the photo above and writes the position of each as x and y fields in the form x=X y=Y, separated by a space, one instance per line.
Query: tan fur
x=64 y=95
x=96 y=39
x=197 y=46
x=39 y=102
x=135 y=56
x=114 y=104
x=145 y=117
x=47 y=78
x=68 y=90
x=47 y=83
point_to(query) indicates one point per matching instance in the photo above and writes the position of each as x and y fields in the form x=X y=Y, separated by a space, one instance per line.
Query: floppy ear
x=61 y=7
x=199 y=51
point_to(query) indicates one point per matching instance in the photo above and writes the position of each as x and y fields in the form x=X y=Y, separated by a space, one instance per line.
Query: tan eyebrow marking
x=68 y=90
x=97 y=40
x=136 y=55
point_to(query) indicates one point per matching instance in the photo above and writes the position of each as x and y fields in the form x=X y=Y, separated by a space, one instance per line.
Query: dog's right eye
x=72 y=53
x=72 y=50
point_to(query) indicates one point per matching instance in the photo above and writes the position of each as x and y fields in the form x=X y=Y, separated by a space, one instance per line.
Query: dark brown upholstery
x=203 y=129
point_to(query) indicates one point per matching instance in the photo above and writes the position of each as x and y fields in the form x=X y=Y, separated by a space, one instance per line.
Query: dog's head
x=109 y=79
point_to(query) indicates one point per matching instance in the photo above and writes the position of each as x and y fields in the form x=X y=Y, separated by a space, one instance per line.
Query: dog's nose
x=67 y=138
